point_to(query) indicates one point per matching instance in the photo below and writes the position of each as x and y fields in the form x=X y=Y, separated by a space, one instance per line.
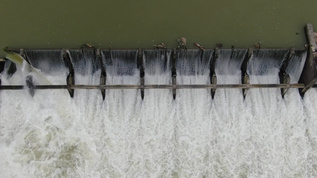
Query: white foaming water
x=53 y=135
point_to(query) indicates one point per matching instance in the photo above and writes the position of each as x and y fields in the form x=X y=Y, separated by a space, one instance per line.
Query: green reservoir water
x=143 y=23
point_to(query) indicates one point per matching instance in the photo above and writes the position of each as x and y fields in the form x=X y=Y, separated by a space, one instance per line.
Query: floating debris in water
x=257 y=45
x=219 y=45
x=89 y=45
x=199 y=46
x=182 y=42
x=160 y=46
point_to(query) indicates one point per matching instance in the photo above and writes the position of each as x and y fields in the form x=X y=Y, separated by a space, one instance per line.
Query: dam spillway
x=115 y=132
x=182 y=61
x=52 y=134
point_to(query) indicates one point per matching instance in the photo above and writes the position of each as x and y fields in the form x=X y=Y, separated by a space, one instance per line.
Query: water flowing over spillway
x=263 y=135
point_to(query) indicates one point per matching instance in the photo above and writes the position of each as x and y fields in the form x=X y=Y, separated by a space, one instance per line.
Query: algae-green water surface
x=143 y=23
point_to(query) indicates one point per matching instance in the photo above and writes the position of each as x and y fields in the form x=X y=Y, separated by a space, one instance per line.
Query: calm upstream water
x=143 y=23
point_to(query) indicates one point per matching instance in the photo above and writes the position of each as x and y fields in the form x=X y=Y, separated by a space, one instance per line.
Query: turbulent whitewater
x=263 y=135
